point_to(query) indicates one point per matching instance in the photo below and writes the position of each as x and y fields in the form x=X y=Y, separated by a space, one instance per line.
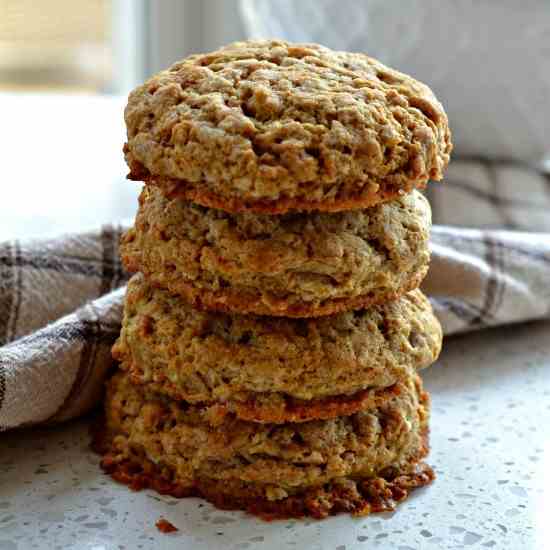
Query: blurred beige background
x=55 y=45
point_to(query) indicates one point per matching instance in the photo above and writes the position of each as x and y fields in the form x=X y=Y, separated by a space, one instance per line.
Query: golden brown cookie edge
x=173 y=188
x=234 y=302
x=292 y=410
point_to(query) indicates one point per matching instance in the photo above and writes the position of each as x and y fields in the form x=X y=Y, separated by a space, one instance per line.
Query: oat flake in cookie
x=269 y=126
x=301 y=264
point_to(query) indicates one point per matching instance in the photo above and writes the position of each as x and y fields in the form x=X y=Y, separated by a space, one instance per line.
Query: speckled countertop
x=490 y=447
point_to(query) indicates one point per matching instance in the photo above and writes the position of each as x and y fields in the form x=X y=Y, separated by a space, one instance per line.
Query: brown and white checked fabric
x=61 y=300
x=60 y=309
x=481 y=278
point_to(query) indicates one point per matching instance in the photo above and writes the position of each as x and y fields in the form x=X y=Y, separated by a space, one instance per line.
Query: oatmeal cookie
x=293 y=265
x=272 y=369
x=360 y=463
x=270 y=126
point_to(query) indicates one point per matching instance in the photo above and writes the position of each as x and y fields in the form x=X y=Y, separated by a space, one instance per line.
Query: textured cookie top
x=297 y=264
x=271 y=126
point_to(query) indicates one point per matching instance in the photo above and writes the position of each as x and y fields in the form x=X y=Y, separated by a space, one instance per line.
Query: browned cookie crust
x=270 y=126
x=291 y=265
x=360 y=463
x=233 y=302
x=358 y=497
x=264 y=368
x=182 y=190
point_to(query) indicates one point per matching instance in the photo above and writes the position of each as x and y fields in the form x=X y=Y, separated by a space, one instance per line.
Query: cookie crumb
x=164 y=526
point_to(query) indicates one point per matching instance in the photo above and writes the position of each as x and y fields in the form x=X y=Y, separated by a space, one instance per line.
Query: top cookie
x=269 y=126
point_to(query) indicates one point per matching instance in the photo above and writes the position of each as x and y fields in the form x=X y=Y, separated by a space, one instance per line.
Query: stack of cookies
x=274 y=330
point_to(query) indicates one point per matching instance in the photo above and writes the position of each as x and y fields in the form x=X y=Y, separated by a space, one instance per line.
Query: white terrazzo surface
x=490 y=447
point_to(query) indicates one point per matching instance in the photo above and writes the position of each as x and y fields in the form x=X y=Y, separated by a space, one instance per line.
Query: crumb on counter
x=164 y=526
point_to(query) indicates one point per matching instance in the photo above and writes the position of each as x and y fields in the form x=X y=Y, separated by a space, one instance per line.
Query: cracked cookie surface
x=270 y=126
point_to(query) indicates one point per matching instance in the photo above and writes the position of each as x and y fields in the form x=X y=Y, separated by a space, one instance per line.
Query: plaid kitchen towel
x=60 y=311
x=61 y=299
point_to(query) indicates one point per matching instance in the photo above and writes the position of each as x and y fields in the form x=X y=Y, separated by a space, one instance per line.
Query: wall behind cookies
x=153 y=35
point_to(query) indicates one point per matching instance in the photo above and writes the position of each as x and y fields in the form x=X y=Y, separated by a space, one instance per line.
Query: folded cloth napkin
x=60 y=310
x=61 y=299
